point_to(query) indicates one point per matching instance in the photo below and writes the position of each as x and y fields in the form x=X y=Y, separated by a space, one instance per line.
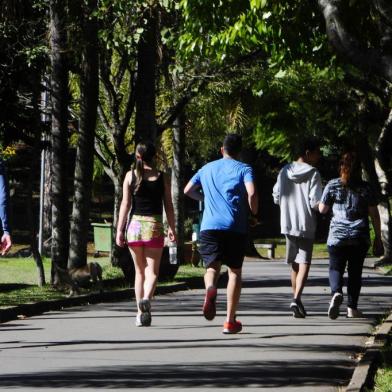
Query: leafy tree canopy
x=23 y=56
x=278 y=31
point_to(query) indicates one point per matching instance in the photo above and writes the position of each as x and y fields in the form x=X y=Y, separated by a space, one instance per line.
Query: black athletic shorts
x=228 y=247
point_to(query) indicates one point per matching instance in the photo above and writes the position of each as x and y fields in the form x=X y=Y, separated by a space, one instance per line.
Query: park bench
x=270 y=249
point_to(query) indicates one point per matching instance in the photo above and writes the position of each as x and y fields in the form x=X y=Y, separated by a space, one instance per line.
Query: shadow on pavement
x=221 y=374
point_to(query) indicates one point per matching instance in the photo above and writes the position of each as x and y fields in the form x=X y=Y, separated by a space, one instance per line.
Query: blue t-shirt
x=225 y=197
x=349 y=223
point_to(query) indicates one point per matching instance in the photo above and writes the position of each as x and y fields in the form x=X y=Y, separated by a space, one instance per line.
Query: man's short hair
x=308 y=144
x=232 y=144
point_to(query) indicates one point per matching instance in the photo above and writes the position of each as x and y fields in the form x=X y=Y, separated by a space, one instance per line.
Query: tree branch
x=383 y=153
x=178 y=108
x=369 y=60
x=105 y=145
x=366 y=85
x=130 y=105
x=190 y=91
x=108 y=167
x=103 y=118
x=384 y=7
x=111 y=94
x=121 y=70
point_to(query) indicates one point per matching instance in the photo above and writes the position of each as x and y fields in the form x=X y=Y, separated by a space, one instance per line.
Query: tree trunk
x=117 y=202
x=59 y=135
x=370 y=60
x=33 y=174
x=47 y=213
x=383 y=169
x=85 y=145
x=178 y=183
x=365 y=148
x=145 y=121
x=121 y=257
x=117 y=162
x=377 y=178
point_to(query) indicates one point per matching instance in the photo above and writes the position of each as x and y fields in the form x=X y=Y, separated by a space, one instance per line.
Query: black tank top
x=149 y=197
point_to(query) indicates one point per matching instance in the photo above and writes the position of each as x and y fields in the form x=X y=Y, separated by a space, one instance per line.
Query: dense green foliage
x=23 y=59
x=261 y=68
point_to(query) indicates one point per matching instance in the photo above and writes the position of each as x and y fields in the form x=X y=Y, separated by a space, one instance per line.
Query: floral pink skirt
x=145 y=231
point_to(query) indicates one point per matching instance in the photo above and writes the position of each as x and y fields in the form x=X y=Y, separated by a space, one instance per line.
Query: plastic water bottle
x=173 y=253
x=195 y=237
x=195 y=232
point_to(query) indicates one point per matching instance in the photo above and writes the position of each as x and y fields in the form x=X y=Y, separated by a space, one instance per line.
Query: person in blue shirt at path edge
x=229 y=194
x=6 y=243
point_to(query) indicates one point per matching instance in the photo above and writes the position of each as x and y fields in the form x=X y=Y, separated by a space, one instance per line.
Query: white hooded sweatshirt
x=298 y=191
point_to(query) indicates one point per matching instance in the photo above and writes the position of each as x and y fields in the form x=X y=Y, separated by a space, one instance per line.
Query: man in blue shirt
x=229 y=193
x=6 y=242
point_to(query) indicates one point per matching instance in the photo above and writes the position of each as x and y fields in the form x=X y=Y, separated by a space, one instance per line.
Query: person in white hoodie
x=298 y=191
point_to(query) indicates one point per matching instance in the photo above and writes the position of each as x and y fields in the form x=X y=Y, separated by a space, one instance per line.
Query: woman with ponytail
x=351 y=201
x=145 y=192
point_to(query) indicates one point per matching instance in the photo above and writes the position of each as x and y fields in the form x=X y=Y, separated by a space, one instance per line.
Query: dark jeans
x=353 y=256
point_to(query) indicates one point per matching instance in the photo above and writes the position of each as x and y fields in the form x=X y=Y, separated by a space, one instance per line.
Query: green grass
x=189 y=271
x=18 y=280
x=387 y=269
x=20 y=270
x=319 y=249
x=23 y=270
x=383 y=380
x=29 y=295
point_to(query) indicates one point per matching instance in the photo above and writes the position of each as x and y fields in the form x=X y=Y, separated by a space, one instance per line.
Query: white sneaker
x=354 y=313
x=145 y=308
x=145 y=305
x=138 y=321
x=336 y=301
x=294 y=306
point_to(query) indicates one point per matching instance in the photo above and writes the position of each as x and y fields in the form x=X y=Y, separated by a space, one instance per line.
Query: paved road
x=98 y=347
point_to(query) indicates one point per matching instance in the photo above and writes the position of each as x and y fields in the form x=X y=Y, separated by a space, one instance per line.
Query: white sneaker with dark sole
x=354 y=313
x=296 y=311
x=334 y=306
x=145 y=308
x=301 y=308
x=138 y=321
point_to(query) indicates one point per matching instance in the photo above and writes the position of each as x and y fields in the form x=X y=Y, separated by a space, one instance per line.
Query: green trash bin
x=103 y=237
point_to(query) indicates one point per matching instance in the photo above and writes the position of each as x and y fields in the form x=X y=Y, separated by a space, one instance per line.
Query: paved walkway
x=98 y=347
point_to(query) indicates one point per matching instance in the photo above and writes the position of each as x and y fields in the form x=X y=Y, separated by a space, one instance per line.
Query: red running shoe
x=232 y=327
x=209 y=307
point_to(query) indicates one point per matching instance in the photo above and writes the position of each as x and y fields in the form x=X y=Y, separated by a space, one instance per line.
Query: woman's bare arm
x=169 y=210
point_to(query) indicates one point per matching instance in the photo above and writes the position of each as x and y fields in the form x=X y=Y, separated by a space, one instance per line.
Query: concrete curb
x=33 y=309
x=364 y=372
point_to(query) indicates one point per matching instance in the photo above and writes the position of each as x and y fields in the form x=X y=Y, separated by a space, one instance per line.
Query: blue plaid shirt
x=350 y=222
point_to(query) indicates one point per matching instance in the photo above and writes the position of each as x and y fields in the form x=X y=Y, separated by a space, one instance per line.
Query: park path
x=97 y=347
